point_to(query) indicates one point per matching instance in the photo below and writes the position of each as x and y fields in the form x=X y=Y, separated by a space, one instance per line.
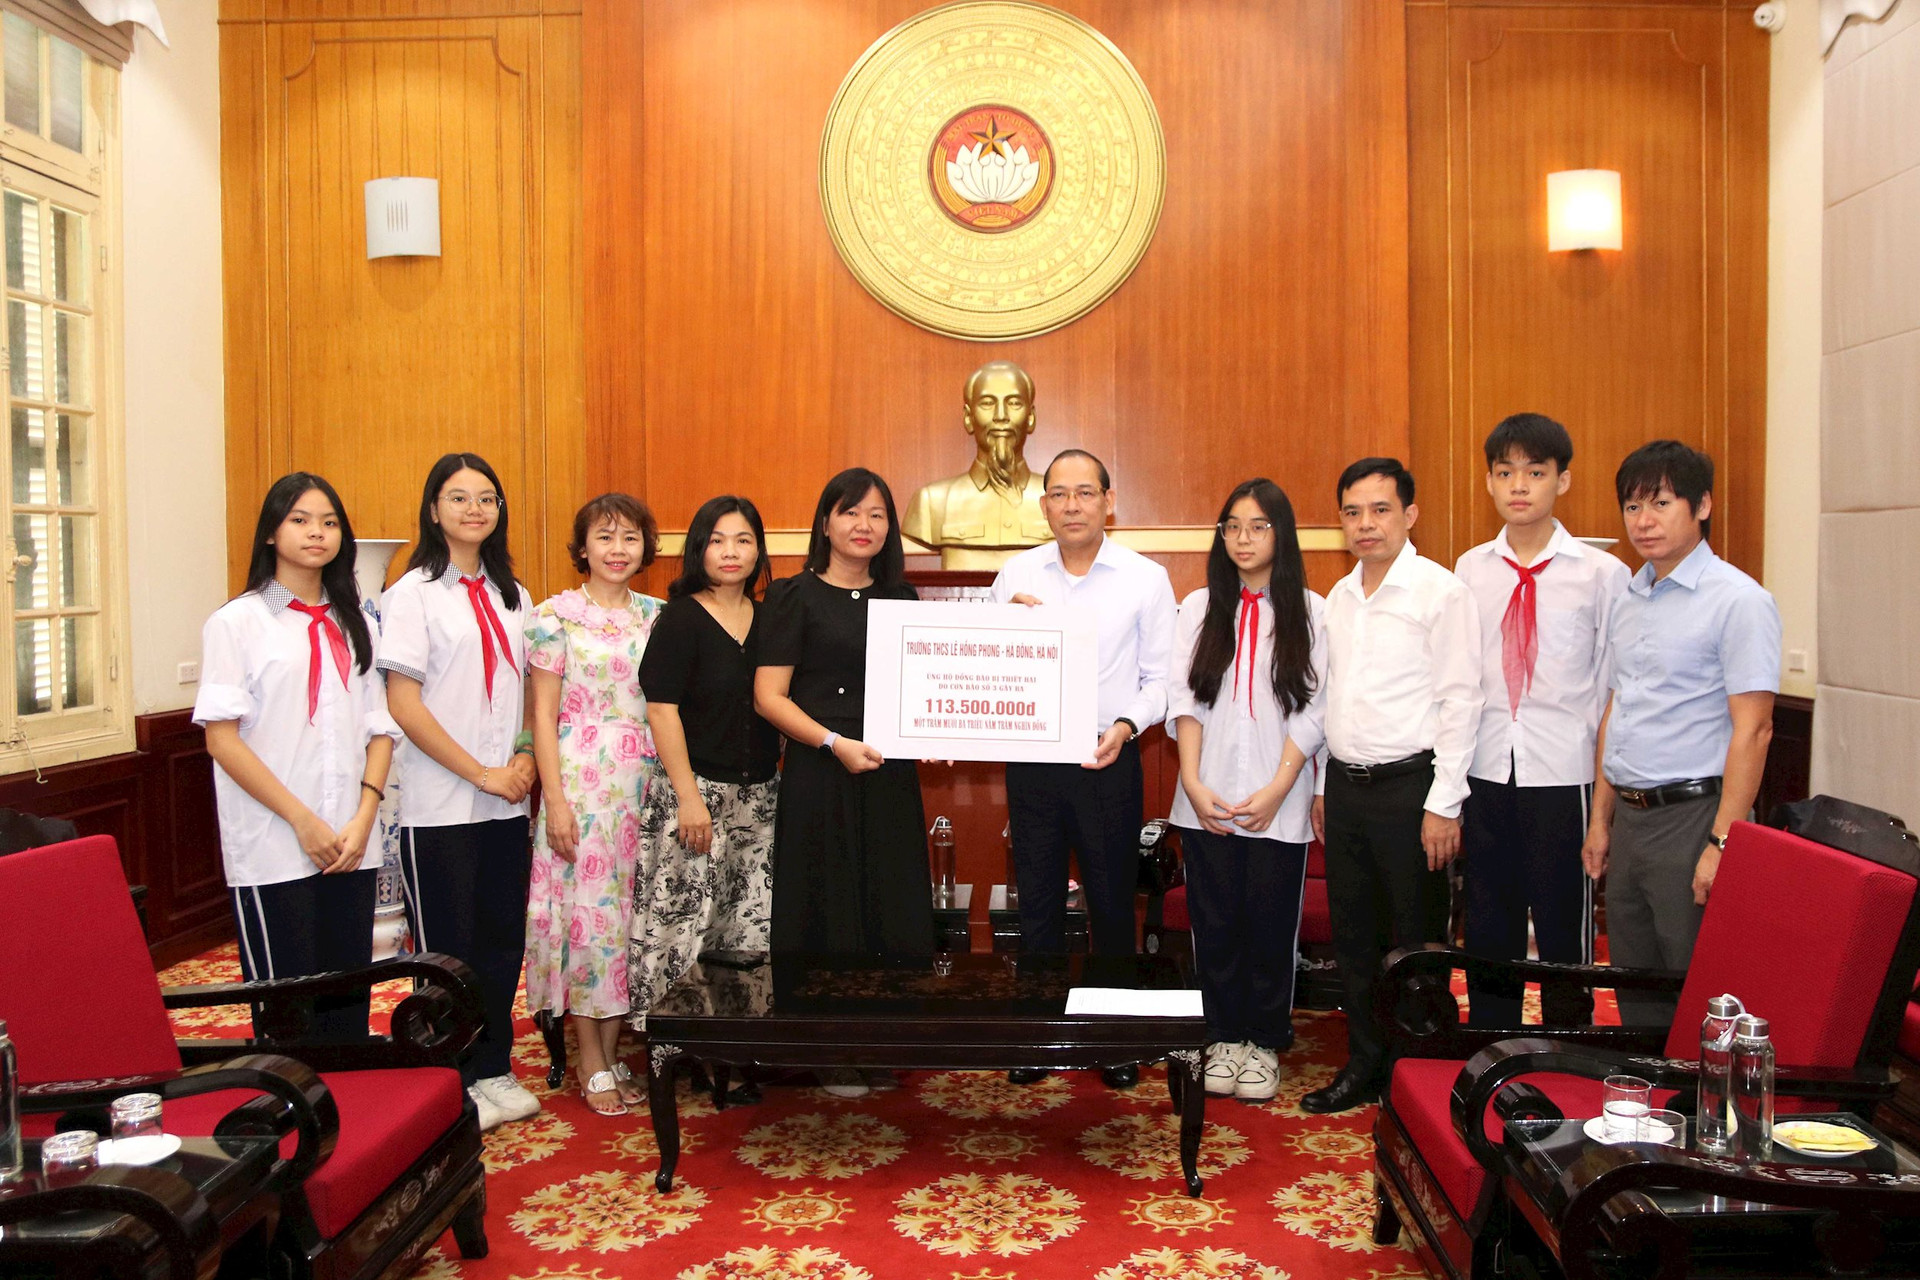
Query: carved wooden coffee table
x=946 y=1013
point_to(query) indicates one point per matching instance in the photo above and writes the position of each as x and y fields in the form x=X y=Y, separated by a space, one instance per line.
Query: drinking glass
x=136 y=1115
x=1663 y=1129
x=1623 y=1101
x=74 y=1152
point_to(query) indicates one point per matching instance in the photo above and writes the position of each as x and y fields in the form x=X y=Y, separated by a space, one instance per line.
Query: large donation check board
x=948 y=680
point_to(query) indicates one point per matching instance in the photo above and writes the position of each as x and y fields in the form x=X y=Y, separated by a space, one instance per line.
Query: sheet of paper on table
x=1125 y=1002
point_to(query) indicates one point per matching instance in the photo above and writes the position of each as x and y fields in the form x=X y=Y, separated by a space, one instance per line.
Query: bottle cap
x=1749 y=1027
x=940 y=824
x=1725 y=1007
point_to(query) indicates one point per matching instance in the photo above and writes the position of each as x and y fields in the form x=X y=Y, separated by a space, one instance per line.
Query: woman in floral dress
x=596 y=758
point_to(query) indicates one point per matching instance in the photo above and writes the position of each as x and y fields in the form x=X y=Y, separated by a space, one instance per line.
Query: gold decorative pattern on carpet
x=607 y=1212
x=1148 y=1147
x=814 y=1146
x=640 y=1144
x=802 y=1210
x=989 y=1095
x=992 y=170
x=1334 y=1208
x=512 y=1145
x=991 y=1146
x=766 y=1262
x=1178 y=1213
x=1007 y=1214
x=1330 y=1144
x=1191 y=1264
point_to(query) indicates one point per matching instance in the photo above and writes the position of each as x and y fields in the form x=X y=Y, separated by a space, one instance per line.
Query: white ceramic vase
x=371 y=558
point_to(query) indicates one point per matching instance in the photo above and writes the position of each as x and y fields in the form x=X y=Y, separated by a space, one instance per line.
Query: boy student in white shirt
x=297 y=726
x=453 y=642
x=1403 y=699
x=1545 y=601
x=1092 y=809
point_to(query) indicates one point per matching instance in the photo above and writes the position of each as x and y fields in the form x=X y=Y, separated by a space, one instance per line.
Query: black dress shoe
x=1121 y=1077
x=1027 y=1075
x=1347 y=1091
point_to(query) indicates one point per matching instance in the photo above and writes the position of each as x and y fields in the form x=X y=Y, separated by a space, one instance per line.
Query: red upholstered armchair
x=1822 y=943
x=384 y=1146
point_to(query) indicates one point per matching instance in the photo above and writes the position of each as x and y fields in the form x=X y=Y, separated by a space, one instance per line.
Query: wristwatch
x=1718 y=842
x=826 y=743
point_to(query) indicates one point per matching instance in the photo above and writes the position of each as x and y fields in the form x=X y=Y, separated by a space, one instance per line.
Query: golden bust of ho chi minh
x=980 y=518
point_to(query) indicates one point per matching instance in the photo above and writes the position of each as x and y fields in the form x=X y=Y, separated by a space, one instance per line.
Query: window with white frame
x=65 y=629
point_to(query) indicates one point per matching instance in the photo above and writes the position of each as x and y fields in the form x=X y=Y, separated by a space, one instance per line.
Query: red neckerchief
x=318 y=618
x=490 y=626
x=1520 y=633
x=1246 y=635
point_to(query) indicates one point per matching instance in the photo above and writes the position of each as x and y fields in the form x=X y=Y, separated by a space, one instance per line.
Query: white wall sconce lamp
x=403 y=218
x=1583 y=209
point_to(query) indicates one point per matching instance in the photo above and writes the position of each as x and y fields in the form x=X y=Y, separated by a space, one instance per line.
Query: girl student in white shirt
x=296 y=723
x=453 y=647
x=1245 y=702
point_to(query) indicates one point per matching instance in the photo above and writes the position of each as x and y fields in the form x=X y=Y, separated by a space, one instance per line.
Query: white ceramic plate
x=150 y=1149
x=1786 y=1141
x=1596 y=1129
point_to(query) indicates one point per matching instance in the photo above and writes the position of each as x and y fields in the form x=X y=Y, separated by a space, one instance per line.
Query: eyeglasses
x=1085 y=493
x=461 y=501
x=1254 y=529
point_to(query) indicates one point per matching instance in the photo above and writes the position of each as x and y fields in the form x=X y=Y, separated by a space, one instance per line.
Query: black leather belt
x=1362 y=775
x=1671 y=793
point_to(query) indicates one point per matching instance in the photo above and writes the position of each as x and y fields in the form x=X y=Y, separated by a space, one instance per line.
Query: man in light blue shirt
x=1696 y=649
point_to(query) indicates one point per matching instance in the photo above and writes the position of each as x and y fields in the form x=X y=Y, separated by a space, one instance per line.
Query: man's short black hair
x=1046 y=477
x=1666 y=464
x=1402 y=478
x=1534 y=436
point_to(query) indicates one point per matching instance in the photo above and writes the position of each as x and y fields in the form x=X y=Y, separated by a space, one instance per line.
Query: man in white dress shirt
x=1545 y=600
x=1092 y=810
x=1403 y=698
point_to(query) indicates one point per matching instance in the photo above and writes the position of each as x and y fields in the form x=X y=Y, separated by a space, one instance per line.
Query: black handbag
x=20 y=831
x=1853 y=828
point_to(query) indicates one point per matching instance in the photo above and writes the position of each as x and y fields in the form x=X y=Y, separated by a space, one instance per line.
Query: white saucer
x=150 y=1149
x=1596 y=1129
x=1811 y=1153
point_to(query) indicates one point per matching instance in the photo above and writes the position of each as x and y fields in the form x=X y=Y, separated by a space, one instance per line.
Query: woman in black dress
x=849 y=846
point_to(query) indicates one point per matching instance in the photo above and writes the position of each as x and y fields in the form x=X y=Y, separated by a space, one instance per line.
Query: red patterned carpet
x=954 y=1176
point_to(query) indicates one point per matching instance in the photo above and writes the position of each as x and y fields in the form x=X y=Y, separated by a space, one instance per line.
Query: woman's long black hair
x=843 y=493
x=336 y=575
x=1293 y=678
x=430 y=552
x=693 y=563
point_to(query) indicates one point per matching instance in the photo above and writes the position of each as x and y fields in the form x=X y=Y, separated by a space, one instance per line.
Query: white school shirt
x=428 y=632
x=1240 y=749
x=1550 y=742
x=1131 y=600
x=1403 y=674
x=254 y=659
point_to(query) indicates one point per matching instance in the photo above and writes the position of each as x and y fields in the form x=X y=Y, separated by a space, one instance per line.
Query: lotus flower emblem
x=986 y=174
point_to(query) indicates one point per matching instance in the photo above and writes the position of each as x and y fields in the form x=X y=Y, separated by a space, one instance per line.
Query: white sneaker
x=510 y=1096
x=843 y=1082
x=1224 y=1064
x=491 y=1117
x=1260 y=1077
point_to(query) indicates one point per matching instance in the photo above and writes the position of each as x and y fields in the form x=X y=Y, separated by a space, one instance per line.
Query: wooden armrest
x=164 y=1203
x=432 y=1026
x=301 y=1103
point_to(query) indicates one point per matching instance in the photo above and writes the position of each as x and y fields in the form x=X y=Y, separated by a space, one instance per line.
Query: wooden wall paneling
x=157 y=804
x=1623 y=347
x=371 y=369
x=1743 y=478
x=245 y=298
x=731 y=349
